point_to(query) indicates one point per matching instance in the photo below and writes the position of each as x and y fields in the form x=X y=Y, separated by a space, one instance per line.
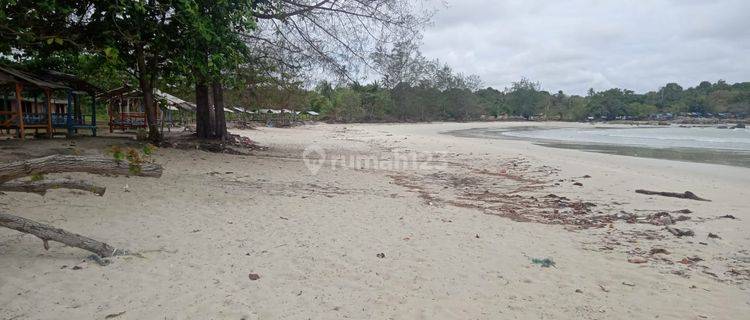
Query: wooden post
x=77 y=112
x=48 y=96
x=69 y=114
x=122 y=115
x=93 y=115
x=19 y=105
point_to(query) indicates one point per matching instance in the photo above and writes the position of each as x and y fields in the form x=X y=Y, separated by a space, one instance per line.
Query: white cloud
x=578 y=44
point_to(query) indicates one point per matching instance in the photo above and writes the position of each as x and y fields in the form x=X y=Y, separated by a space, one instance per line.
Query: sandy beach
x=400 y=221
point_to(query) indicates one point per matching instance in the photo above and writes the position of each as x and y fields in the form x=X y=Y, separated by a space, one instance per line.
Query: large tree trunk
x=220 y=122
x=147 y=87
x=154 y=135
x=63 y=163
x=202 y=113
x=46 y=233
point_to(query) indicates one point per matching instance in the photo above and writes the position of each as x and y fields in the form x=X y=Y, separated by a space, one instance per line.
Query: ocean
x=695 y=144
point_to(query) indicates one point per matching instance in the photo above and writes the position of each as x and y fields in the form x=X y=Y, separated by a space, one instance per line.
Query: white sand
x=313 y=239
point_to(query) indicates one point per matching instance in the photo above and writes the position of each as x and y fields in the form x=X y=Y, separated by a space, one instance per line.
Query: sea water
x=694 y=144
x=664 y=137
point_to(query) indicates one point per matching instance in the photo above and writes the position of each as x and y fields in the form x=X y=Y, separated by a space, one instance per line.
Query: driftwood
x=57 y=164
x=685 y=195
x=42 y=186
x=64 y=163
x=680 y=232
x=46 y=233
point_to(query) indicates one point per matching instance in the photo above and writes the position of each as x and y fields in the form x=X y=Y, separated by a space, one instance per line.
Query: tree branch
x=41 y=187
x=63 y=163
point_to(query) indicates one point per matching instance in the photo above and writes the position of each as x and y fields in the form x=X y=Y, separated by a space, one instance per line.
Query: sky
x=575 y=45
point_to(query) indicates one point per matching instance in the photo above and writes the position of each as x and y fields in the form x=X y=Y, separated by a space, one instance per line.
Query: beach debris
x=544 y=262
x=684 y=195
x=99 y=260
x=253 y=276
x=47 y=233
x=579 y=291
x=713 y=236
x=114 y=315
x=380 y=255
x=627 y=216
x=683 y=211
x=603 y=288
x=476 y=236
x=659 y=251
x=661 y=219
x=630 y=284
x=680 y=232
x=586 y=176
x=690 y=260
x=578 y=184
x=637 y=260
x=727 y=216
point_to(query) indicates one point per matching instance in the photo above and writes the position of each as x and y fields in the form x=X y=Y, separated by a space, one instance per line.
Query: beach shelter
x=31 y=104
x=126 y=110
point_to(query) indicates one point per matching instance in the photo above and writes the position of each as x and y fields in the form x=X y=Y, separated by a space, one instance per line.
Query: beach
x=398 y=221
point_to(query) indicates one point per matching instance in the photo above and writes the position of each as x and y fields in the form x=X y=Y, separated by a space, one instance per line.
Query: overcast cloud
x=580 y=44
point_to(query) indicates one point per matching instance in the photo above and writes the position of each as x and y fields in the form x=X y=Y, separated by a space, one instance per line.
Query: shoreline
x=730 y=157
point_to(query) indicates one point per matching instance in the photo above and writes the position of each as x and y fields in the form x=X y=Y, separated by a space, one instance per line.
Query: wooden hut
x=31 y=104
x=126 y=110
x=75 y=117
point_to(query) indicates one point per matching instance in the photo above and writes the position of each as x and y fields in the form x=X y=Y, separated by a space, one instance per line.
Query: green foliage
x=149 y=149
x=37 y=177
x=134 y=158
x=524 y=99
x=117 y=153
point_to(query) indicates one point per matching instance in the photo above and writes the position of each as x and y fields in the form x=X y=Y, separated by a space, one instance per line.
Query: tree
x=524 y=97
x=212 y=47
x=136 y=36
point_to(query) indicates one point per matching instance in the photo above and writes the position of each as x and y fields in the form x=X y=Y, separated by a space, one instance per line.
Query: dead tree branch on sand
x=42 y=186
x=46 y=233
x=57 y=164
x=685 y=195
x=64 y=163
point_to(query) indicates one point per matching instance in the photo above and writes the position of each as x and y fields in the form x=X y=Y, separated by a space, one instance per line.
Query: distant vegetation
x=413 y=88
x=461 y=101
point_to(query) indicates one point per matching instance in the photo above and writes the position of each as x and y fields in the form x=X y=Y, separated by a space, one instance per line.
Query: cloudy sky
x=579 y=44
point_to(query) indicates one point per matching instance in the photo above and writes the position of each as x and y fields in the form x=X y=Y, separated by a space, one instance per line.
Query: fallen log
x=66 y=163
x=42 y=186
x=46 y=233
x=684 y=195
x=59 y=164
